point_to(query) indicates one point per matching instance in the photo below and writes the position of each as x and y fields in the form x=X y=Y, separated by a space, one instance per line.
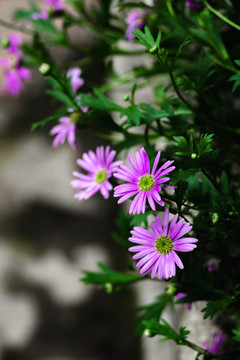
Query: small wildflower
x=142 y=183
x=64 y=131
x=215 y=346
x=57 y=5
x=76 y=80
x=78 y=102
x=193 y=4
x=12 y=43
x=100 y=167
x=43 y=15
x=13 y=77
x=134 y=20
x=157 y=249
x=183 y=295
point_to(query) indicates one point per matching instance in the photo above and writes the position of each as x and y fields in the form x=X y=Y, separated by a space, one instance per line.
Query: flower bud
x=148 y=333
x=74 y=117
x=45 y=69
x=126 y=98
x=108 y=287
x=153 y=49
x=5 y=43
x=215 y=218
x=193 y=156
x=170 y=289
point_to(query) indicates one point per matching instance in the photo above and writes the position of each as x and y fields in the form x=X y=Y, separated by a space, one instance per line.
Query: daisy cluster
x=155 y=250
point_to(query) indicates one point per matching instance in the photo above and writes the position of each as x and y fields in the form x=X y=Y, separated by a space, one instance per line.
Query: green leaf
x=185 y=146
x=236 y=332
x=47 y=27
x=59 y=95
x=108 y=276
x=236 y=79
x=204 y=145
x=215 y=306
x=100 y=101
x=43 y=122
x=182 y=175
x=22 y=15
x=180 y=50
x=146 y=39
x=134 y=115
x=151 y=114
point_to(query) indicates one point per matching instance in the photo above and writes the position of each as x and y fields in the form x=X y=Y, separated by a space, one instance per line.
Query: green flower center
x=74 y=117
x=101 y=176
x=163 y=244
x=146 y=182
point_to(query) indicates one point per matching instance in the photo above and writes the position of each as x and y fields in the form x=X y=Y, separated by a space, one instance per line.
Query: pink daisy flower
x=157 y=249
x=134 y=20
x=100 y=167
x=13 y=77
x=64 y=131
x=142 y=183
x=215 y=346
x=76 y=80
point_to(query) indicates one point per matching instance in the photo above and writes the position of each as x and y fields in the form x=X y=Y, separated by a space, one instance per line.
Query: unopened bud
x=126 y=97
x=170 y=289
x=153 y=49
x=108 y=287
x=193 y=156
x=215 y=218
x=74 y=117
x=148 y=333
x=45 y=69
x=5 y=43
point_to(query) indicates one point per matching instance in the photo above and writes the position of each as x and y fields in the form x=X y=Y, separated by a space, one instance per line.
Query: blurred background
x=47 y=238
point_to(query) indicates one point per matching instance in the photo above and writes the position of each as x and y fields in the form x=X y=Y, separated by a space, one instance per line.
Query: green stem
x=179 y=94
x=11 y=26
x=170 y=8
x=221 y=16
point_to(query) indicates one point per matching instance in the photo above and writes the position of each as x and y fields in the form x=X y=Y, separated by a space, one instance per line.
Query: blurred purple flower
x=134 y=19
x=193 y=4
x=157 y=249
x=215 y=346
x=76 y=80
x=182 y=295
x=66 y=130
x=142 y=183
x=100 y=167
x=13 y=77
x=57 y=5
x=14 y=43
x=83 y=108
x=43 y=15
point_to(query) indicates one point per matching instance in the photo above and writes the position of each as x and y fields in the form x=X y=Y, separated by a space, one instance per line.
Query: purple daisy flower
x=100 y=167
x=134 y=20
x=64 y=131
x=193 y=4
x=13 y=42
x=215 y=346
x=13 y=77
x=76 y=80
x=157 y=249
x=142 y=183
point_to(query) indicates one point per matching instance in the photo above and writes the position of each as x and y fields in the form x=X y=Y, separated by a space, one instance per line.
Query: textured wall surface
x=47 y=238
